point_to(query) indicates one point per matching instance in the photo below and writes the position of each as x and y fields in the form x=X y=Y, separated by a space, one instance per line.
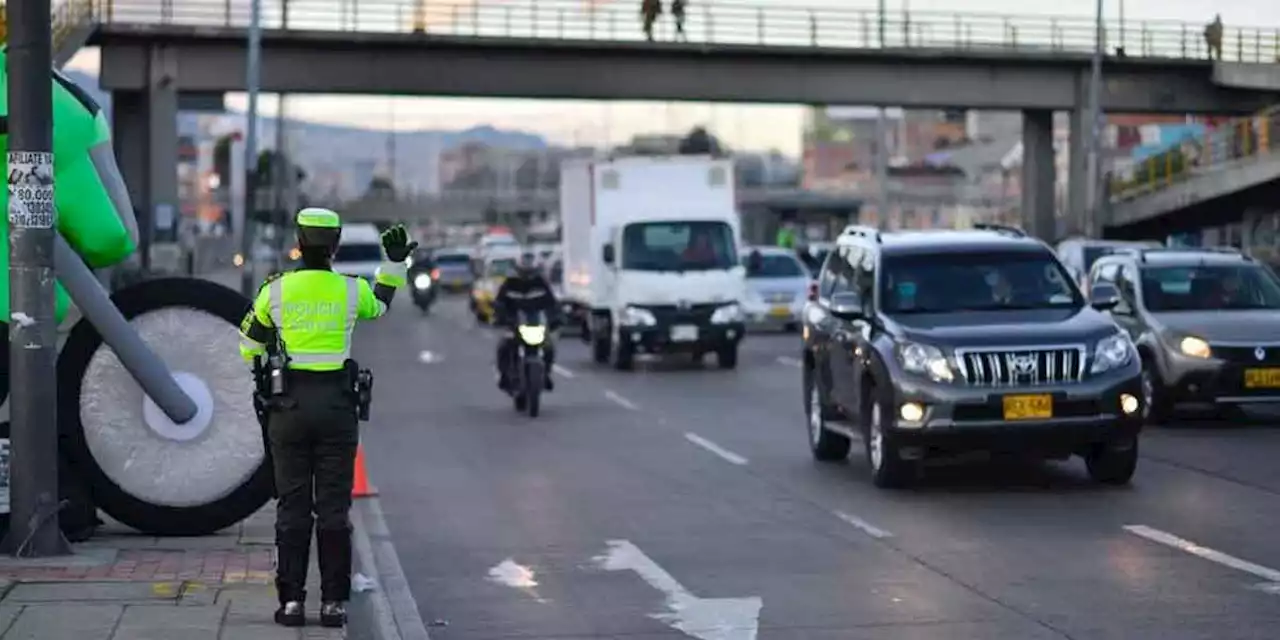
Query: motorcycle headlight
x=925 y=360
x=422 y=281
x=726 y=314
x=1112 y=352
x=635 y=316
x=533 y=335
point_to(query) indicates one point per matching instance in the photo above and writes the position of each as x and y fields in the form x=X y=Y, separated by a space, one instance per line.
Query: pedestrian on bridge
x=677 y=12
x=1213 y=37
x=650 y=10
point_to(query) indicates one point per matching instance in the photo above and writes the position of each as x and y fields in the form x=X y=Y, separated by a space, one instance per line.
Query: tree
x=266 y=169
x=380 y=188
x=700 y=142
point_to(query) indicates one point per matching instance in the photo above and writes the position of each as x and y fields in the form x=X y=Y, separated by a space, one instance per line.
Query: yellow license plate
x=1262 y=378
x=780 y=311
x=1036 y=407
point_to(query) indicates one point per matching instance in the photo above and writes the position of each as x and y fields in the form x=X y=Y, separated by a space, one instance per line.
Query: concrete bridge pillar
x=145 y=128
x=1038 y=174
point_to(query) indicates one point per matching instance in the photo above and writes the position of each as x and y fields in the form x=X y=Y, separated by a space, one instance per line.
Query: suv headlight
x=925 y=360
x=1112 y=352
x=726 y=314
x=637 y=317
x=1194 y=347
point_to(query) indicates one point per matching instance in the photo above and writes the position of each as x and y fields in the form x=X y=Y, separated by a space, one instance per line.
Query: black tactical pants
x=313 y=443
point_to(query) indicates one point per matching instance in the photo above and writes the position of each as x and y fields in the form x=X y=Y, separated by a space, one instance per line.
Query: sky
x=755 y=127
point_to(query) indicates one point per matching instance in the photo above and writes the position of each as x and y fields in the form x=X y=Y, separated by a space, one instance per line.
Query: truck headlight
x=637 y=317
x=1112 y=352
x=925 y=360
x=422 y=281
x=726 y=314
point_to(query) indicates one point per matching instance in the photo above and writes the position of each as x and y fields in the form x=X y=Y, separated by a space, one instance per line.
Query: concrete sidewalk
x=125 y=586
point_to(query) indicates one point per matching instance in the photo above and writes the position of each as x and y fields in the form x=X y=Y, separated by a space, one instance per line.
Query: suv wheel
x=1110 y=465
x=888 y=469
x=1155 y=404
x=826 y=445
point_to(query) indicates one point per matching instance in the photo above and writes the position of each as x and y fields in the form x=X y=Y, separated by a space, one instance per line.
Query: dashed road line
x=863 y=525
x=620 y=401
x=790 y=362
x=1212 y=555
x=562 y=371
x=726 y=454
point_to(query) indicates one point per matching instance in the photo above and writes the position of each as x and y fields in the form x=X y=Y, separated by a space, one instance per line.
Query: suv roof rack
x=862 y=230
x=1000 y=228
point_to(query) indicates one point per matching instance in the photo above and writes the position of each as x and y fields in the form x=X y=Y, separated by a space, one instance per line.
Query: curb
x=392 y=611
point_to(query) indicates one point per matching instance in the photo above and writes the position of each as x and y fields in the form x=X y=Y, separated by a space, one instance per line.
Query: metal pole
x=882 y=166
x=33 y=467
x=880 y=21
x=1122 y=29
x=1095 y=138
x=251 y=149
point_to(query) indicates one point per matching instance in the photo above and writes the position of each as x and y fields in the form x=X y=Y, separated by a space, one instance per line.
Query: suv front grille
x=1021 y=367
x=1247 y=354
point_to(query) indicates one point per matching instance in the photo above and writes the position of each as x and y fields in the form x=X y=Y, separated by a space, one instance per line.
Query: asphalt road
x=662 y=502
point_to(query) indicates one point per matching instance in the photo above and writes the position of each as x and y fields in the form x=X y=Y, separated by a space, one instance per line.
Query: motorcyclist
x=525 y=290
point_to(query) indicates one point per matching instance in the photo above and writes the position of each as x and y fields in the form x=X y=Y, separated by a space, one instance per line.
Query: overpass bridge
x=156 y=51
x=1230 y=175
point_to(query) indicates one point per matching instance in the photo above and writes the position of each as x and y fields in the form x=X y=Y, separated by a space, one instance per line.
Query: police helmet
x=319 y=228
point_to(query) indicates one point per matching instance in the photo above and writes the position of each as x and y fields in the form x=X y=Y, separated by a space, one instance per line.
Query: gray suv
x=938 y=344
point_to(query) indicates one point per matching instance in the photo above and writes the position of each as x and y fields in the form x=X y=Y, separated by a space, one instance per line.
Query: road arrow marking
x=703 y=618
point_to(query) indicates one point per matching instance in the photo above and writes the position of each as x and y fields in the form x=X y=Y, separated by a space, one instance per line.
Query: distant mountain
x=344 y=158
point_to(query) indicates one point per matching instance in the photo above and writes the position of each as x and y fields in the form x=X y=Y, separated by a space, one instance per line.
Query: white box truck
x=651 y=256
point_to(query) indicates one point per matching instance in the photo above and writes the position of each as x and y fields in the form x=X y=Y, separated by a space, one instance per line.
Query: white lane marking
x=866 y=527
x=1212 y=555
x=429 y=357
x=620 y=401
x=728 y=455
x=704 y=618
x=562 y=371
x=790 y=362
x=517 y=576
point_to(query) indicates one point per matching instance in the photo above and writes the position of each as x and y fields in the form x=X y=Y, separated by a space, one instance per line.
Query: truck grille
x=1022 y=367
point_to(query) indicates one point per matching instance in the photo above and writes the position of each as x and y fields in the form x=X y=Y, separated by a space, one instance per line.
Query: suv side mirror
x=847 y=305
x=607 y=254
x=1104 y=296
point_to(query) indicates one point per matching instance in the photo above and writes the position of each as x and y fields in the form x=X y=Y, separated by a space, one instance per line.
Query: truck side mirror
x=608 y=254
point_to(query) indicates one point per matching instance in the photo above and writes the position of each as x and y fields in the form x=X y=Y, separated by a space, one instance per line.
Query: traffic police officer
x=309 y=315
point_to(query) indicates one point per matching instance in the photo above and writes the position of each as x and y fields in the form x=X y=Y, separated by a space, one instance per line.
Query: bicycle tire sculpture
x=155 y=405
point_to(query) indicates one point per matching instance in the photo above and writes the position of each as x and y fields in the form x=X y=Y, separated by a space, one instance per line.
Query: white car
x=359 y=251
x=777 y=288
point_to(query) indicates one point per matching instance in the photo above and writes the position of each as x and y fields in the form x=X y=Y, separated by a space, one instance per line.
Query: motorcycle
x=424 y=289
x=527 y=369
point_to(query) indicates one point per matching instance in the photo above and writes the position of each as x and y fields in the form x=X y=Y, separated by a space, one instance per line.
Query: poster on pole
x=4 y=475
x=30 y=190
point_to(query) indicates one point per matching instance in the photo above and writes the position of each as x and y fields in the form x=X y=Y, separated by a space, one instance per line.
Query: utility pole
x=1094 y=172
x=33 y=463
x=247 y=274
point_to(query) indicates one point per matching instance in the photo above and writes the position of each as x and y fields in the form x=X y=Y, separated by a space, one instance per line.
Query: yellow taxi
x=493 y=272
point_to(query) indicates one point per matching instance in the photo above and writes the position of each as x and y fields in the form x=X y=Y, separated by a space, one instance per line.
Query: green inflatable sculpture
x=93 y=209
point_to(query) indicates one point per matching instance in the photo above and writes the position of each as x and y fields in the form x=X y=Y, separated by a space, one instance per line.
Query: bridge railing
x=725 y=22
x=1238 y=141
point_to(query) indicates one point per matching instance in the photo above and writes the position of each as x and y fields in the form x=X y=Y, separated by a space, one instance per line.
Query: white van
x=359 y=251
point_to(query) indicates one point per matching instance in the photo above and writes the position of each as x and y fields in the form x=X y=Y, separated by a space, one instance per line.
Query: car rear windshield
x=773 y=266
x=1206 y=287
x=975 y=282
x=452 y=258
x=358 y=253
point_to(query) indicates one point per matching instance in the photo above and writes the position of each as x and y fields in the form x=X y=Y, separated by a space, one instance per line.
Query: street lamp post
x=251 y=149
x=33 y=466
x=1094 y=172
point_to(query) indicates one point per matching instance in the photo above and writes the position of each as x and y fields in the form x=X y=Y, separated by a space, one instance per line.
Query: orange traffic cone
x=361 y=487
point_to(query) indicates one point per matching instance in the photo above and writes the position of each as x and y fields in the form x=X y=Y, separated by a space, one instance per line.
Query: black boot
x=333 y=615
x=291 y=614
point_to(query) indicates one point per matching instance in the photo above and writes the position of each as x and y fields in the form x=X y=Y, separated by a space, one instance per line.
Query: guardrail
x=718 y=22
x=1241 y=140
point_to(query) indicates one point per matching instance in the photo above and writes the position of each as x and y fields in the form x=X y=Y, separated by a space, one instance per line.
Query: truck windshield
x=975 y=282
x=1202 y=288
x=678 y=246
x=358 y=253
